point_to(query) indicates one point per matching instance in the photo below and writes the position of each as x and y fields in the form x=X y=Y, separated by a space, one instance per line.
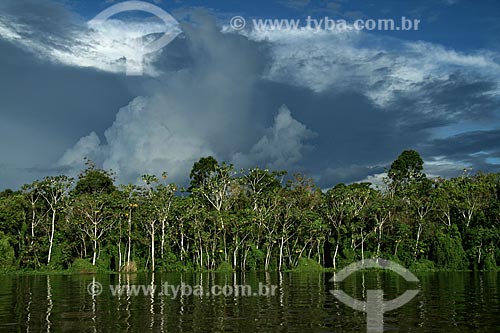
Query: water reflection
x=152 y=301
x=28 y=308
x=50 y=304
x=447 y=302
x=94 y=307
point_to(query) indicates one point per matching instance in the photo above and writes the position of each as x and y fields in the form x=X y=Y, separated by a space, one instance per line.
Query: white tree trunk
x=51 y=238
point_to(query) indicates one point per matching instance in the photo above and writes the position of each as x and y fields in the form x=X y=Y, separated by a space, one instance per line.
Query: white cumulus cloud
x=106 y=47
x=281 y=147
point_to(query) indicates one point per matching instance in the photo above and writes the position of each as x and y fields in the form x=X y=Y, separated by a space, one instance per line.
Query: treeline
x=250 y=220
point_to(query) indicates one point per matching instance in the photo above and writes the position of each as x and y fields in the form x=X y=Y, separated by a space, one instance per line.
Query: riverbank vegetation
x=250 y=220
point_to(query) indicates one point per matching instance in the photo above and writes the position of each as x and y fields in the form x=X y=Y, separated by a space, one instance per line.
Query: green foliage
x=7 y=255
x=130 y=267
x=447 y=250
x=201 y=170
x=93 y=180
x=422 y=265
x=225 y=267
x=170 y=263
x=251 y=220
x=103 y=262
x=408 y=166
x=12 y=213
x=255 y=258
x=308 y=265
x=83 y=266
x=61 y=256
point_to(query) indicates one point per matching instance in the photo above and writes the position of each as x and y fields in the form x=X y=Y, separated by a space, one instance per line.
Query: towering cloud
x=281 y=147
x=354 y=100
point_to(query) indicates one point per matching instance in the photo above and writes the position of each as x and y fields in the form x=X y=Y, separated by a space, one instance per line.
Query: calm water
x=447 y=302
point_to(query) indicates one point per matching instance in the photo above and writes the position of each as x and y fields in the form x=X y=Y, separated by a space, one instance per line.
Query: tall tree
x=130 y=204
x=54 y=191
x=202 y=170
x=93 y=180
x=93 y=210
x=37 y=213
x=407 y=168
x=342 y=204
x=159 y=197
x=215 y=189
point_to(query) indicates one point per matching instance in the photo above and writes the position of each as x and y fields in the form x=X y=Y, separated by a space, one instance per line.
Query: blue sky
x=460 y=24
x=336 y=106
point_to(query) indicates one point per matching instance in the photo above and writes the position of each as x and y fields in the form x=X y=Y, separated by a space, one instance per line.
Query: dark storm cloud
x=52 y=23
x=462 y=145
x=351 y=129
x=456 y=98
x=60 y=99
x=204 y=107
x=45 y=107
x=339 y=108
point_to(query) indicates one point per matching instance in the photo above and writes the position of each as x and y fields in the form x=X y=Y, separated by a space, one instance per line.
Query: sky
x=336 y=105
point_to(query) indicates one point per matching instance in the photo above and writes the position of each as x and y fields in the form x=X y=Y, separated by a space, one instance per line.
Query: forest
x=253 y=219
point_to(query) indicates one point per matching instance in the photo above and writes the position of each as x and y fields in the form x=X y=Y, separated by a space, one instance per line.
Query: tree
x=157 y=205
x=420 y=199
x=252 y=220
x=7 y=255
x=201 y=170
x=258 y=182
x=93 y=210
x=381 y=210
x=215 y=189
x=32 y=194
x=13 y=221
x=93 y=180
x=473 y=194
x=54 y=191
x=130 y=204
x=164 y=196
x=37 y=213
x=406 y=168
x=445 y=200
x=341 y=205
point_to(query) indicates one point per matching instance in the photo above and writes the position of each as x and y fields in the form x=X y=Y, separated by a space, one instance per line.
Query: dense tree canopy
x=92 y=181
x=201 y=170
x=251 y=220
x=407 y=167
